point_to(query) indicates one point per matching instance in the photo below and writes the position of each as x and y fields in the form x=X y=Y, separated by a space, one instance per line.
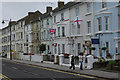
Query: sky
x=16 y=10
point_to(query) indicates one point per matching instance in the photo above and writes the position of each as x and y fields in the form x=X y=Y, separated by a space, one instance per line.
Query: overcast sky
x=17 y=10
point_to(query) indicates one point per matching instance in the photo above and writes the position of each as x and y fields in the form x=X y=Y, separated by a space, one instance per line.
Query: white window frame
x=63 y=48
x=58 y=31
x=58 y=48
x=88 y=7
x=62 y=16
x=89 y=26
x=106 y=24
x=63 y=31
x=99 y=25
x=77 y=11
x=79 y=47
x=54 y=19
x=78 y=29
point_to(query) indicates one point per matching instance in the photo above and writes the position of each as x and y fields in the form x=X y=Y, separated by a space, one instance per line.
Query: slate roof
x=68 y=5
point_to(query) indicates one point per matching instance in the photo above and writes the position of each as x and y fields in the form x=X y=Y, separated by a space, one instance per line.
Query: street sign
x=95 y=41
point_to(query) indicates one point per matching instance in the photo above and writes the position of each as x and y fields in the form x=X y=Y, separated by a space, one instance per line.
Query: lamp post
x=10 y=36
x=100 y=51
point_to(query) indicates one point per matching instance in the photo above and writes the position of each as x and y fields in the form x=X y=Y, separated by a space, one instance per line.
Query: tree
x=42 y=48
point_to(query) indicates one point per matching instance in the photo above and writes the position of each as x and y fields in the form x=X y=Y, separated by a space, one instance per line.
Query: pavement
x=92 y=72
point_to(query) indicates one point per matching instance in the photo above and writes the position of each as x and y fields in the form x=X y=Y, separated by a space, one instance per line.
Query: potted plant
x=104 y=48
x=84 y=48
x=92 y=48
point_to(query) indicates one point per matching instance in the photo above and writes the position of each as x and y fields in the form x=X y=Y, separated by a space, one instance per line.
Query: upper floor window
x=13 y=36
x=62 y=16
x=89 y=26
x=13 y=27
x=104 y=4
x=21 y=35
x=78 y=29
x=42 y=23
x=37 y=26
x=88 y=7
x=58 y=48
x=37 y=36
x=54 y=19
x=48 y=34
x=58 y=31
x=77 y=11
x=47 y=21
x=106 y=22
x=99 y=21
x=21 y=24
x=44 y=34
x=26 y=38
x=73 y=29
x=63 y=31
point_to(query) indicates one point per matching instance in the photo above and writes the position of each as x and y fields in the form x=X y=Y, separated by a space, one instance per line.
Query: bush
x=118 y=63
x=112 y=62
x=100 y=64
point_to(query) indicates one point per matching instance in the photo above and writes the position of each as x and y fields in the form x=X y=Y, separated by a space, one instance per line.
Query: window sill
x=78 y=35
x=88 y=14
x=89 y=34
x=103 y=9
x=104 y=32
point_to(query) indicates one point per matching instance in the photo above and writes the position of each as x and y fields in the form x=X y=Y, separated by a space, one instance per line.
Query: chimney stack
x=30 y=13
x=48 y=9
x=60 y=4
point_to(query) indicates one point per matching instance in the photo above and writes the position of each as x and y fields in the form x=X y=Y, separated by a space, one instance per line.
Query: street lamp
x=99 y=37
x=10 y=36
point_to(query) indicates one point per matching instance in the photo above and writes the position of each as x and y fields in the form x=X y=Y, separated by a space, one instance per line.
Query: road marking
x=55 y=70
x=14 y=68
x=4 y=77
x=62 y=71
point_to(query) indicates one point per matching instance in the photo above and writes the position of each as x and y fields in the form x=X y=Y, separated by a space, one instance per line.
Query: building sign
x=95 y=41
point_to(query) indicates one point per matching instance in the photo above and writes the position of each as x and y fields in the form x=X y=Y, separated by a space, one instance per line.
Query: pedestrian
x=72 y=63
x=81 y=62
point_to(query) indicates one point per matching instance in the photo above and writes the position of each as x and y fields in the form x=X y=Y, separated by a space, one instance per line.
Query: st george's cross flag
x=77 y=21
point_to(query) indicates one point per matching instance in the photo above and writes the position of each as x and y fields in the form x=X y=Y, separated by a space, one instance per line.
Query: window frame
x=89 y=26
x=106 y=18
x=99 y=25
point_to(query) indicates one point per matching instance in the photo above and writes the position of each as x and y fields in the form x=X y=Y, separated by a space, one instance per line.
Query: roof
x=45 y=15
x=68 y=5
x=32 y=16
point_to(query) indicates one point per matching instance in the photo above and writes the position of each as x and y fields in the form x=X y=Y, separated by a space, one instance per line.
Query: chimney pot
x=60 y=4
x=48 y=9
